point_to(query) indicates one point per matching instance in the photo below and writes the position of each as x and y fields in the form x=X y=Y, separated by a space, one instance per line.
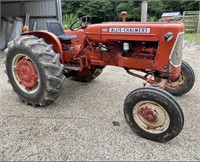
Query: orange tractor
x=38 y=62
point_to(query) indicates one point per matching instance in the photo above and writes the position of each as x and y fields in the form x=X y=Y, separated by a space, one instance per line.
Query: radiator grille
x=176 y=53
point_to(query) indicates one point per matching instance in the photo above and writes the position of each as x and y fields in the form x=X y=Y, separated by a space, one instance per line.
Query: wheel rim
x=180 y=82
x=151 y=117
x=25 y=73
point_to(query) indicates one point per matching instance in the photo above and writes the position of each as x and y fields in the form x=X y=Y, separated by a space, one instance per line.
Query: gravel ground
x=87 y=123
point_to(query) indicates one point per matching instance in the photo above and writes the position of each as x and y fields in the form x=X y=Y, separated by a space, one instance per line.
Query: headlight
x=169 y=36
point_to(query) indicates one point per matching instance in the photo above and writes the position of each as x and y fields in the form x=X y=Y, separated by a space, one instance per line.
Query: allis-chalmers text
x=130 y=30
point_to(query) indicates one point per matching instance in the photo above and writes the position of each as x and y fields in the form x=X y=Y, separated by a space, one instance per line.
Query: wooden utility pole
x=0 y=14
x=144 y=11
x=198 y=28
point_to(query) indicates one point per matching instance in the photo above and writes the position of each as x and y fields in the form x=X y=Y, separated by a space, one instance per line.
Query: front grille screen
x=176 y=54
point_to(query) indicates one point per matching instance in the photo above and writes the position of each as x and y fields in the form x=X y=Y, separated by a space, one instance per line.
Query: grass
x=68 y=19
x=193 y=38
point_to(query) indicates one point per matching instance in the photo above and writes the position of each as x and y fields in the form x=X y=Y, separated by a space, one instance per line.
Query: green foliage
x=100 y=10
x=68 y=19
x=136 y=13
x=155 y=8
x=193 y=37
x=152 y=19
x=181 y=5
x=71 y=6
x=188 y=5
x=122 y=7
x=133 y=9
x=109 y=10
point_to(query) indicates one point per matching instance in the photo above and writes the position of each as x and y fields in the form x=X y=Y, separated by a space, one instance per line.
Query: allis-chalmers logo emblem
x=127 y=30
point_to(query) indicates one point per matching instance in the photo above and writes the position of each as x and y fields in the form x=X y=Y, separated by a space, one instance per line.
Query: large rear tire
x=184 y=83
x=153 y=114
x=34 y=70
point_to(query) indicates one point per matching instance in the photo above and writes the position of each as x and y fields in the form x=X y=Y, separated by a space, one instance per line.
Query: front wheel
x=153 y=114
x=184 y=83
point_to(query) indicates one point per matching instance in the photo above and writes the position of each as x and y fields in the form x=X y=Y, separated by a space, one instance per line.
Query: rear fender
x=49 y=38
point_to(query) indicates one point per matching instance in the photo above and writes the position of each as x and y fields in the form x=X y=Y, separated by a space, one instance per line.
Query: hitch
x=149 y=79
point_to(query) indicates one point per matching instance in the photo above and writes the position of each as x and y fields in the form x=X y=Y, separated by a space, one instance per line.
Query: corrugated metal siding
x=36 y=8
x=39 y=11
x=41 y=8
x=41 y=23
x=11 y=9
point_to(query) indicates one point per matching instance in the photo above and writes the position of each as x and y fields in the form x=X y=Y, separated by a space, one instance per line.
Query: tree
x=109 y=10
x=69 y=7
x=133 y=9
x=169 y=6
x=181 y=6
x=187 y=5
x=100 y=10
x=155 y=8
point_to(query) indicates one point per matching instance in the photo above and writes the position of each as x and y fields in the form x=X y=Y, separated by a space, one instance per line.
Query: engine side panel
x=147 y=45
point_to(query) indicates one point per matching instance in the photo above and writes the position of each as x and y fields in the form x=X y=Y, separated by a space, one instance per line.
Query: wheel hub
x=151 y=116
x=148 y=114
x=27 y=73
x=177 y=83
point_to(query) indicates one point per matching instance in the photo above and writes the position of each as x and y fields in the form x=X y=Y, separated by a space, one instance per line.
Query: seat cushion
x=65 y=37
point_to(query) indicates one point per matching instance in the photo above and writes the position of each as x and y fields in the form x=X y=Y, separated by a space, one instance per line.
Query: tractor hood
x=129 y=31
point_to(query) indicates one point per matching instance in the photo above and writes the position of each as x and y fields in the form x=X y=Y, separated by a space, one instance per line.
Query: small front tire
x=153 y=114
x=184 y=83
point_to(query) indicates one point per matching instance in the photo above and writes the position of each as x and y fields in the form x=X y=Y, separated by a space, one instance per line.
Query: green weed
x=192 y=37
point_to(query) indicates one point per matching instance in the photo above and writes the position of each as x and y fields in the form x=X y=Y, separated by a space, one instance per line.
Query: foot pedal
x=73 y=67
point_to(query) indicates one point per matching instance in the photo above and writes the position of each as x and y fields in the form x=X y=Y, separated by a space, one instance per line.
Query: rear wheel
x=87 y=75
x=34 y=70
x=153 y=114
x=184 y=83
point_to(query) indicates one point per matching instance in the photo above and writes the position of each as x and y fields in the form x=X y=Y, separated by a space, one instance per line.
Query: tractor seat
x=56 y=28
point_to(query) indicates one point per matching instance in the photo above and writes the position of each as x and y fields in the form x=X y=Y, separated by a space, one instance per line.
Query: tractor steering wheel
x=81 y=23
